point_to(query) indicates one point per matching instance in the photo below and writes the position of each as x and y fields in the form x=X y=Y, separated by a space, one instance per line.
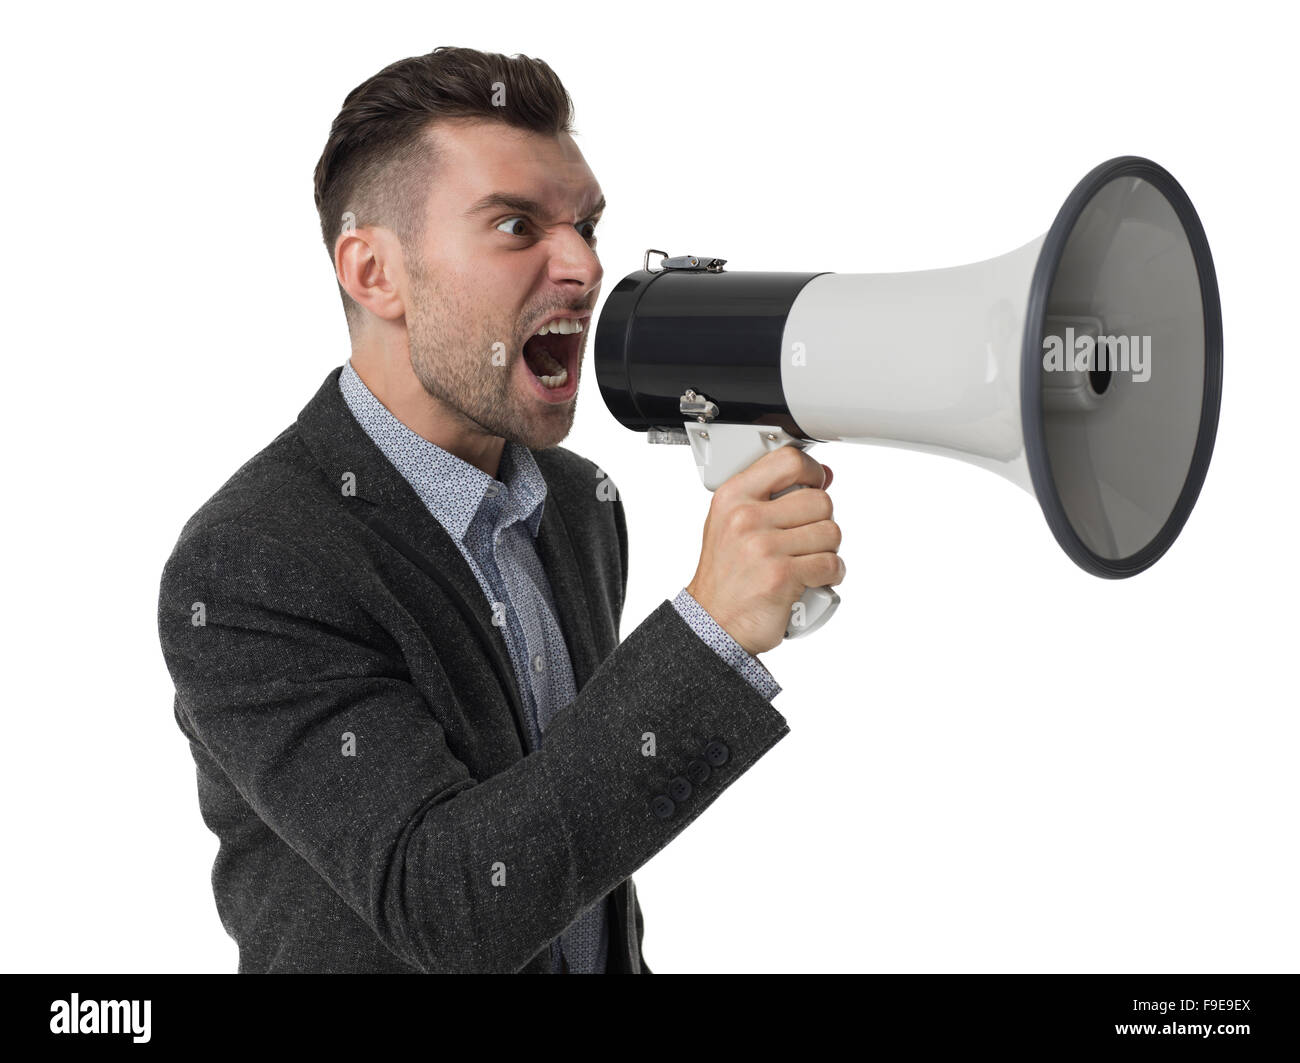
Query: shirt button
x=539 y=662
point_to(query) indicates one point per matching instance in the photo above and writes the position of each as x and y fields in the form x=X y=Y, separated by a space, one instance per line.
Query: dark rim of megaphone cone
x=1031 y=378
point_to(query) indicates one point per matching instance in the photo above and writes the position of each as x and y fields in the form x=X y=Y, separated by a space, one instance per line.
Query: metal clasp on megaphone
x=688 y=262
x=722 y=450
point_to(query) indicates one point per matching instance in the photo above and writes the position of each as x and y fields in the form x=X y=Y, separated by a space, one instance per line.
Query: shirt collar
x=453 y=490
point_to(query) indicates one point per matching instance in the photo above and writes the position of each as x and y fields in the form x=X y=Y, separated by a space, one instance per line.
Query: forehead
x=480 y=157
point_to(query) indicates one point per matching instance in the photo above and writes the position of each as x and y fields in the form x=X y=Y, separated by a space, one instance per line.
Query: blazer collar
x=372 y=488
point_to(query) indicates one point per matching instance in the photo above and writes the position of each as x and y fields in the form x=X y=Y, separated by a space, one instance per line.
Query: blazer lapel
x=381 y=498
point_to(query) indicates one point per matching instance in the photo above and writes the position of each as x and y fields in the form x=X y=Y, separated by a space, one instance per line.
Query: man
x=394 y=632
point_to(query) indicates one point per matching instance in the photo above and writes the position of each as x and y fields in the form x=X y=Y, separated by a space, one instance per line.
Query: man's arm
x=699 y=621
x=286 y=661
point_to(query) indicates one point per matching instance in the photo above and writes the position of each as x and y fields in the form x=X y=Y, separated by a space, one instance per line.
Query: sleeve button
x=679 y=788
x=716 y=753
x=663 y=806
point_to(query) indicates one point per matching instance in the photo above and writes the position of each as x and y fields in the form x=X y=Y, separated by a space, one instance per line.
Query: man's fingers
x=800 y=507
x=777 y=470
x=823 y=536
x=820 y=570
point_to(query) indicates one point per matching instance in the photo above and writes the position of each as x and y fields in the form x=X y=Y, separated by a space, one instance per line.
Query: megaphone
x=1085 y=366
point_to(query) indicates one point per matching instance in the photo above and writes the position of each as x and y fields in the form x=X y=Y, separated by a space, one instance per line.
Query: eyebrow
x=522 y=204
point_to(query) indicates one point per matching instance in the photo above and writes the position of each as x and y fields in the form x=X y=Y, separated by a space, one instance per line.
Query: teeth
x=562 y=326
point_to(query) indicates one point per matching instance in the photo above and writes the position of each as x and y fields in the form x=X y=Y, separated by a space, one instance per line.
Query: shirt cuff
x=724 y=645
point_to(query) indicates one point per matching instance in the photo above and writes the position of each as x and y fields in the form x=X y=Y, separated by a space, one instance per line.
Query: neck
x=428 y=417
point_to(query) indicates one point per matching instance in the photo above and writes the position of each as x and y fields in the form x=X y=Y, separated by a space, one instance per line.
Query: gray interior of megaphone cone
x=1122 y=404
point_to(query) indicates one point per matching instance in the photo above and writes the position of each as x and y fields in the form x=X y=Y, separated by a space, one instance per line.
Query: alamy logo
x=101 y=1016
x=1087 y=353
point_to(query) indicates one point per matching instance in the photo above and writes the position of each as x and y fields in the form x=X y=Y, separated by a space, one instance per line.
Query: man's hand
x=760 y=553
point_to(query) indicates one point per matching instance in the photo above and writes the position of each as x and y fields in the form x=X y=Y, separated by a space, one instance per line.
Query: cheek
x=508 y=284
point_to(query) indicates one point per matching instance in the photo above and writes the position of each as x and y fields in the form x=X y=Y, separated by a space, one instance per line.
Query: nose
x=574 y=260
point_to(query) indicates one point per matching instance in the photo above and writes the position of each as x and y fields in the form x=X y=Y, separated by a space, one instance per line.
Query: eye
x=512 y=223
x=511 y=227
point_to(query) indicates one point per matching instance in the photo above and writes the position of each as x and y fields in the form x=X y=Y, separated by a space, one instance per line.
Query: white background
x=996 y=762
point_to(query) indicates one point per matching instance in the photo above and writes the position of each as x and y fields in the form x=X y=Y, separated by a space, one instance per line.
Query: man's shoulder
x=276 y=492
x=579 y=479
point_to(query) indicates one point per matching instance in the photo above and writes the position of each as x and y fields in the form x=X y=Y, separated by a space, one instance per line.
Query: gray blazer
x=359 y=736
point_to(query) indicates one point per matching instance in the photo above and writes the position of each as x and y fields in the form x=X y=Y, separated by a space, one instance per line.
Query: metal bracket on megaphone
x=721 y=451
x=687 y=262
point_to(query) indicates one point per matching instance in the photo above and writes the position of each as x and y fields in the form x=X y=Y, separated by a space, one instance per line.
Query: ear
x=368 y=264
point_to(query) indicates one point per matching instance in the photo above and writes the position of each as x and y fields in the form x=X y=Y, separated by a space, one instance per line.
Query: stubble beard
x=461 y=372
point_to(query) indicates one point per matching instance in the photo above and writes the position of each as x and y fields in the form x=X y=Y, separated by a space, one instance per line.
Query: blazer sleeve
x=275 y=664
x=731 y=651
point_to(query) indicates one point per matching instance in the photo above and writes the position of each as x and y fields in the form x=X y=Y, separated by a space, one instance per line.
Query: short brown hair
x=377 y=162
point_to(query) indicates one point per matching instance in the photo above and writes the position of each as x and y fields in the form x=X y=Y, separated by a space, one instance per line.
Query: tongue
x=540 y=360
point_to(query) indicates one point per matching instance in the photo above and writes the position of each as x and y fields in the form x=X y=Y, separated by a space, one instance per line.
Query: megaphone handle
x=814 y=606
x=721 y=451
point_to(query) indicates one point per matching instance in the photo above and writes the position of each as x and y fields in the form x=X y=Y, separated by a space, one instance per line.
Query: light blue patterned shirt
x=494 y=523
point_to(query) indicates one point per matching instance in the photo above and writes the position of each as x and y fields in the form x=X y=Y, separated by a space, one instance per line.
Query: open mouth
x=553 y=358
